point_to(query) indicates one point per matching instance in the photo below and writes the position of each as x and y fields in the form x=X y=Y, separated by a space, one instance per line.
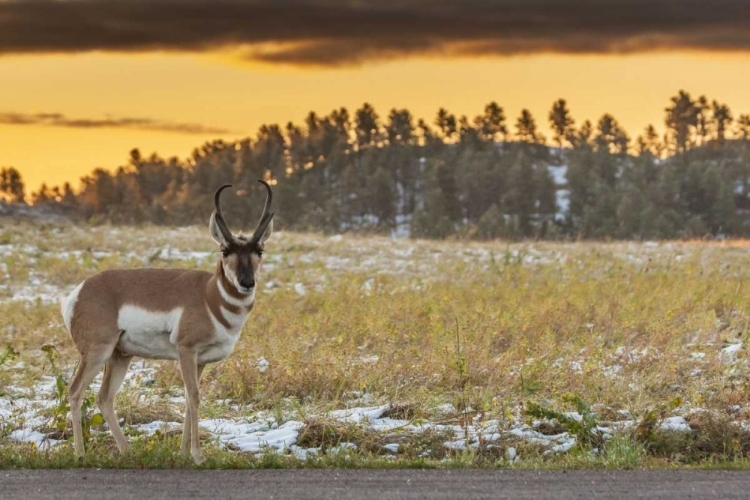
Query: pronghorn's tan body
x=149 y=314
x=193 y=317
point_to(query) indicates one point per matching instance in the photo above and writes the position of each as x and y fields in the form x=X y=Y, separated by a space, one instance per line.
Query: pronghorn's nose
x=247 y=282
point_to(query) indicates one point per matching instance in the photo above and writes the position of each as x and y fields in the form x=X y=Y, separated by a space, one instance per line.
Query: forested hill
x=479 y=177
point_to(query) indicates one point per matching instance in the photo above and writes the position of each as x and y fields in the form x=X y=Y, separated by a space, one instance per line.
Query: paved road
x=368 y=484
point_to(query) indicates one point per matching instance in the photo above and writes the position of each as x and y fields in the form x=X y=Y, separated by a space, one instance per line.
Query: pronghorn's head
x=241 y=255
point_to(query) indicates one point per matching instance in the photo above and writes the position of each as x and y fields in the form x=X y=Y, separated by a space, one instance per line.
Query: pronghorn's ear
x=267 y=232
x=213 y=227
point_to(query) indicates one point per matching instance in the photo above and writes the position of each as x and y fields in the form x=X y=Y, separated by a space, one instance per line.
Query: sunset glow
x=219 y=94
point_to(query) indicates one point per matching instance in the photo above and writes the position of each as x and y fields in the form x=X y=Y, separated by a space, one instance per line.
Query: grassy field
x=380 y=353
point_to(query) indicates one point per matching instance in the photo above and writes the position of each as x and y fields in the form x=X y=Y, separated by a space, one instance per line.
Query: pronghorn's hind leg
x=90 y=364
x=114 y=373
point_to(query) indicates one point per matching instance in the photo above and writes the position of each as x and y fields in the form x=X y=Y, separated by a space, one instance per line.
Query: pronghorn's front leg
x=189 y=368
x=186 y=426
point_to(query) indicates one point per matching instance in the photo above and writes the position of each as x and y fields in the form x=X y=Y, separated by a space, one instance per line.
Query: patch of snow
x=445 y=409
x=32 y=436
x=358 y=415
x=563 y=447
x=262 y=364
x=612 y=371
x=457 y=445
x=675 y=424
x=729 y=352
x=367 y=285
x=559 y=174
x=573 y=415
x=303 y=453
x=256 y=437
x=157 y=426
x=562 y=200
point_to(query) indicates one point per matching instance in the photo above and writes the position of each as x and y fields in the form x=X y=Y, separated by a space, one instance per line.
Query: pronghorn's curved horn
x=265 y=219
x=220 y=222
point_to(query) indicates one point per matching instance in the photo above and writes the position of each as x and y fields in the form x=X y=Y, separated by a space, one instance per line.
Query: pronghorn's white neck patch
x=245 y=301
x=236 y=321
x=224 y=338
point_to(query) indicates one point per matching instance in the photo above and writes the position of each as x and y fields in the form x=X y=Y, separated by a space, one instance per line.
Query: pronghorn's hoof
x=198 y=457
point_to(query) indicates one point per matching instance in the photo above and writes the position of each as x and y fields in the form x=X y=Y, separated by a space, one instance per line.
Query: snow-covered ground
x=35 y=274
x=262 y=432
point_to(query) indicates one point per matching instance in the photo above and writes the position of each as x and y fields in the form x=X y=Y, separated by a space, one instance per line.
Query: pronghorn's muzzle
x=247 y=284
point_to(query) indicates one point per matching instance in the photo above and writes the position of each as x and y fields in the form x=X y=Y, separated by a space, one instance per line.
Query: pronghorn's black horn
x=220 y=216
x=265 y=219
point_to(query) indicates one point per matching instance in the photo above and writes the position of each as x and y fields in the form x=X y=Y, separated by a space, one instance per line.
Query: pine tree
x=611 y=136
x=630 y=212
x=400 y=128
x=561 y=122
x=433 y=220
x=526 y=128
x=469 y=135
x=270 y=150
x=446 y=124
x=724 y=211
x=722 y=118
x=43 y=196
x=341 y=123
x=703 y=120
x=649 y=142
x=521 y=195
x=682 y=119
x=491 y=124
x=68 y=196
x=446 y=182
x=12 y=188
x=743 y=127
x=490 y=225
x=367 y=126
x=382 y=198
x=581 y=138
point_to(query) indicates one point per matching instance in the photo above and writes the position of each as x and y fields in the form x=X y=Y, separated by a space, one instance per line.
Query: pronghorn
x=194 y=317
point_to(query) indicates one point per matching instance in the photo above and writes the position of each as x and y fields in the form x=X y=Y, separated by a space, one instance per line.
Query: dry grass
x=623 y=325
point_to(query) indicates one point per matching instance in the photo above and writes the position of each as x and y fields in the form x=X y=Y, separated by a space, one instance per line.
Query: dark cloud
x=60 y=120
x=327 y=32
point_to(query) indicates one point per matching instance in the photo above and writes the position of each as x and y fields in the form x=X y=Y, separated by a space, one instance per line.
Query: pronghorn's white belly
x=148 y=334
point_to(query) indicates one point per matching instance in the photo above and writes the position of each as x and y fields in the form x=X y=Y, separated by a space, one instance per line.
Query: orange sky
x=220 y=92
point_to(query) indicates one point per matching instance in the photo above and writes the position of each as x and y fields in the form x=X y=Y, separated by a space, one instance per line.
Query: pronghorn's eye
x=260 y=253
x=224 y=252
